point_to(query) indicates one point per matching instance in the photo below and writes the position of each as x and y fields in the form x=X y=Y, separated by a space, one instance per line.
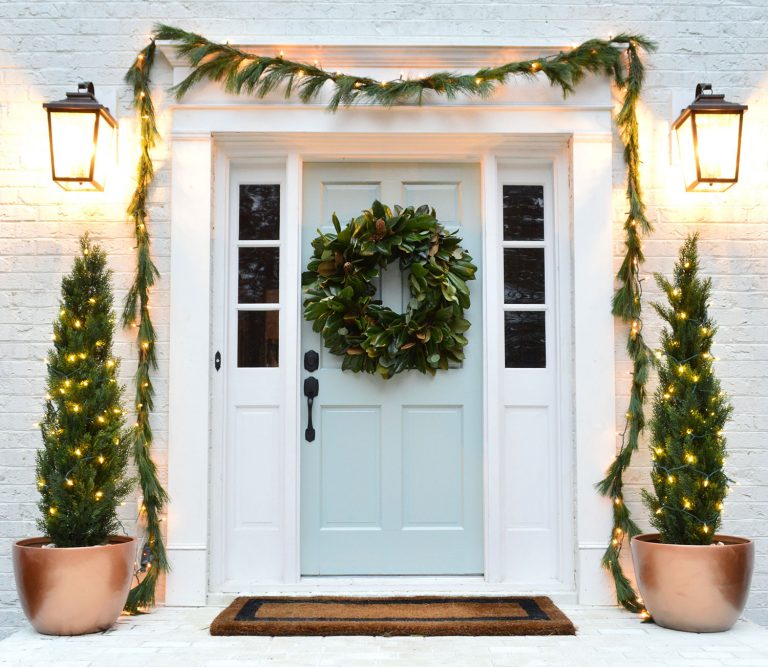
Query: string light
x=101 y=459
x=78 y=452
x=99 y=495
x=52 y=511
x=70 y=482
x=77 y=324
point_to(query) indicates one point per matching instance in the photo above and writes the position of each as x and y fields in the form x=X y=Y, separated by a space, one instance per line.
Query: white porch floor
x=179 y=636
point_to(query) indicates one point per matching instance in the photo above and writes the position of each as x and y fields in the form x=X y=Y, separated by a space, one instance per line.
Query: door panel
x=392 y=484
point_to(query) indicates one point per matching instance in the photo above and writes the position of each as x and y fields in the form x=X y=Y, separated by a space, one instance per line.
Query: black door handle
x=217 y=360
x=311 y=389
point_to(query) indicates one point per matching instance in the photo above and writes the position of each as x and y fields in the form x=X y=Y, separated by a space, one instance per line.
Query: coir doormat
x=392 y=616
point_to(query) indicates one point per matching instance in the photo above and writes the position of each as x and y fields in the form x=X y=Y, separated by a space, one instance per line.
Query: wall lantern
x=82 y=135
x=709 y=137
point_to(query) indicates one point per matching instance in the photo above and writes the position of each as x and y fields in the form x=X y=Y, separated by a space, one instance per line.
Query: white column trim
x=189 y=370
x=594 y=376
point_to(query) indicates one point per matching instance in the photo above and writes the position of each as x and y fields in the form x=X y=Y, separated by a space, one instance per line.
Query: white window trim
x=208 y=132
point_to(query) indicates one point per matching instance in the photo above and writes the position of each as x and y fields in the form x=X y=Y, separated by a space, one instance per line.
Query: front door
x=392 y=483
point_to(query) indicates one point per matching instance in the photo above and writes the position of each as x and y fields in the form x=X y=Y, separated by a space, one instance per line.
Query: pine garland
x=153 y=559
x=242 y=72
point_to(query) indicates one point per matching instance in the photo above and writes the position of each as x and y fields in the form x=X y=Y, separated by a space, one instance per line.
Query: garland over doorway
x=244 y=73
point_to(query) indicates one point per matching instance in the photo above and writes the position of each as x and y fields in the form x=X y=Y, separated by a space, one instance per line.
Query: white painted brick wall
x=48 y=46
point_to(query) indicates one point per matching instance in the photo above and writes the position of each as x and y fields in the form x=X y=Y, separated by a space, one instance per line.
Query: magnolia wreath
x=372 y=338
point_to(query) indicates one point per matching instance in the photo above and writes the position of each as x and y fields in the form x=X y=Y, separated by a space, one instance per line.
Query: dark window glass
x=258 y=338
x=523 y=275
x=523 y=212
x=258 y=278
x=524 y=340
x=259 y=212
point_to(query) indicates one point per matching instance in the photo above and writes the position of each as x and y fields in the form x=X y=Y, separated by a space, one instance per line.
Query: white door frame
x=208 y=136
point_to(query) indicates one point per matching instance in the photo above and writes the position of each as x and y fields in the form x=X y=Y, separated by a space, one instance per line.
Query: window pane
x=523 y=275
x=524 y=340
x=523 y=212
x=258 y=279
x=258 y=338
x=259 y=212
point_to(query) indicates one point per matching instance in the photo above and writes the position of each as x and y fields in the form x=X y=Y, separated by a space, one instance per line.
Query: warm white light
x=82 y=136
x=709 y=140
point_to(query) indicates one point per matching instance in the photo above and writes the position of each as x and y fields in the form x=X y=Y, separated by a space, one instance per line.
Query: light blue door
x=392 y=483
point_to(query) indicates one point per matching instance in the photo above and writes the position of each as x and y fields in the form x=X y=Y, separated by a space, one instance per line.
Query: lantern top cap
x=707 y=101
x=82 y=100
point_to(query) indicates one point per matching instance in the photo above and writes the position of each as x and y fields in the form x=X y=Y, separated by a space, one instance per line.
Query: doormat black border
x=542 y=617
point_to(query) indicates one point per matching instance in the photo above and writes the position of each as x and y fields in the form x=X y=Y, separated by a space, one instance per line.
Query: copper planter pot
x=694 y=588
x=76 y=590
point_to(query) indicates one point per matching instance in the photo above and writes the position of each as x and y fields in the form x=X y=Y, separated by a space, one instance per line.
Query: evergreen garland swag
x=242 y=72
x=371 y=337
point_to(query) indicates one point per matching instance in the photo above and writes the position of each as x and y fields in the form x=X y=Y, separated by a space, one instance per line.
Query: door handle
x=311 y=389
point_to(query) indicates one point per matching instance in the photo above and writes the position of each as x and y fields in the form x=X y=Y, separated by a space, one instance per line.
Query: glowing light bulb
x=92 y=300
x=687 y=503
x=70 y=482
x=705 y=528
x=671 y=479
x=78 y=452
x=99 y=495
x=659 y=511
x=52 y=511
x=705 y=483
x=659 y=450
x=77 y=324
x=100 y=419
x=681 y=369
x=101 y=459
x=72 y=358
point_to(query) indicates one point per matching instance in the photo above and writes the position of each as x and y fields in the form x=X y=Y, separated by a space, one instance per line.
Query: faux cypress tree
x=689 y=413
x=81 y=468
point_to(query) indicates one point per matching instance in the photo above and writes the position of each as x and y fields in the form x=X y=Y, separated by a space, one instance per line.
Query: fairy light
x=659 y=451
x=78 y=452
x=671 y=479
x=109 y=363
x=705 y=483
x=70 y=482
x=687 y=503
x=71 y=358
x=77 y=324
x=92 y=300
x=99 y=495
x=100 y=419
x=52 y=511
x=101 y=459
x=705 y=528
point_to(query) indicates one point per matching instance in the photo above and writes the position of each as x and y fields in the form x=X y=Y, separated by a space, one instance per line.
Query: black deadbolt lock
x=311 y=361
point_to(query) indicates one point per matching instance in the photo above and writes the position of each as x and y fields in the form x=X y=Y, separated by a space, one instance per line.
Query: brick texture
x=46 y=47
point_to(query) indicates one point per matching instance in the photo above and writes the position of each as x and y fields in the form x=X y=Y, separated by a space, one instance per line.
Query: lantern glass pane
x=718 y=144
x=72 y=143
x=105 y=153
x=687 y=152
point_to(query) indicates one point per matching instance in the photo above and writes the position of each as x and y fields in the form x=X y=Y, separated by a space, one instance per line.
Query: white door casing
x=212 y=135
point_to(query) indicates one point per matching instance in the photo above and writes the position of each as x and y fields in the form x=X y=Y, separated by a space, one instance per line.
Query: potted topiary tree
x=690 y=577
x=76 y=579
